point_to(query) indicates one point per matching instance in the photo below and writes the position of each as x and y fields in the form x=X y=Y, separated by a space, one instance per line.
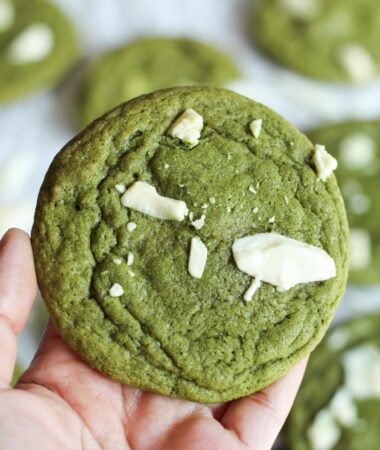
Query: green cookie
x=356 y=145
x=331 y=40
x=117 y=281
x=146 y=65
x=338 y=405
x=37 y=46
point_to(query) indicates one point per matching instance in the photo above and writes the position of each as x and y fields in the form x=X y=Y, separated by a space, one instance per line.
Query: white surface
x=41 y=124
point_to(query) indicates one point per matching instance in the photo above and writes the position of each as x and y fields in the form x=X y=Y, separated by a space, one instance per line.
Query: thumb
x=18 y=288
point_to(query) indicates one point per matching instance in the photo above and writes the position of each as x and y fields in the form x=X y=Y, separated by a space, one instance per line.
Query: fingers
x=18 y=288
x=258 y=418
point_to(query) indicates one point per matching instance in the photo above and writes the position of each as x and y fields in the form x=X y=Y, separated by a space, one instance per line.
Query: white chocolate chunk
x=255 y=285
x=33 y=44
x=198 y=258
x=7 y=15
x=117 y=261
x=255 y=210
x=166 y=166
x=360 y=248
x=303 y=9
x=357 y=151
x=199 y=223
x=343 y=408
x=131 y=226
x=357 y=62
x=116 y=290
x=255 y=127
x=187 y=127
x=324 y=432
x=362 y=369
x=338 y=339
x=272 y=219
x=324 y=162
x=282 y=261
x=144 y=198
x=359 y=203
x=130 y=259
x=120 y=188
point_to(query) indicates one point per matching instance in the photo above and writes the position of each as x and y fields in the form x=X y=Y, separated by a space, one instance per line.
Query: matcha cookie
x=146 y=65
x=337 y=407
x=186 y=243
x=37 y=46
x=331 y=40
x=356 y=145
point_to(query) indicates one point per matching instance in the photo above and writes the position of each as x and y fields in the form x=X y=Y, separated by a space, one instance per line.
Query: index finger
x=258 y=418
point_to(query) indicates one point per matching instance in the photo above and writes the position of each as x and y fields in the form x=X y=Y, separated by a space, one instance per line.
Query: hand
x=62 y=403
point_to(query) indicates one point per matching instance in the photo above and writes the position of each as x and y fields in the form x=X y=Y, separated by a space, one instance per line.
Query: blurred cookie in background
x=330 y=40
x=356 y=145
x=338 y=405
x=37 y=46
x=17 y=373
x=148 y=64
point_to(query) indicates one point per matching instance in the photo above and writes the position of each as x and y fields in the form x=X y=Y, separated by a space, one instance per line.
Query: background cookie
x=149 y=64
x=37 y=46
x=331 y=40
x=119 y=283
x=356 y=145
x=337 y=407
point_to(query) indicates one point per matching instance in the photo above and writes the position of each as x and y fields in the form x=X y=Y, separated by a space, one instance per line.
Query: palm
x=61 y=403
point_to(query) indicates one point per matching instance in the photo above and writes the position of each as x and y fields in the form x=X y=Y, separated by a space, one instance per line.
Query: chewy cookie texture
x=146 y=226
x=37 y=46
x=338 y=405
x=146 y=65
x=356 y=145
x=331 y=40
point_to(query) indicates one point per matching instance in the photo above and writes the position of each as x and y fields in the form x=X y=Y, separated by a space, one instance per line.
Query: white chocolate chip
x=255 y=127
x=360 y=249
x=357 y=62
x=7 y=15
x=255 y=210
x=117 y=261
x=181 y=185
x=120 y=188
x=31 y=45
x=116 y=290
x=198 y=258
x=252 y=189
x=324 y=162
x=361 y=368
x=212 y=200
x=272 y=219
x=204 y=206
x=199 y=223
x=187 y=127
x=357 y=151
x=359 y=203
x=255 y=285
x=302 y=9
x=343 y=408
x=130 y=259
x=166 y=166
x=282 y=261
x=324 y=432
x=144 y=198
x=131 y=226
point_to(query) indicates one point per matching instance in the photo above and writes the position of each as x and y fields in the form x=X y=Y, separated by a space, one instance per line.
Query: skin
x=62 y=403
